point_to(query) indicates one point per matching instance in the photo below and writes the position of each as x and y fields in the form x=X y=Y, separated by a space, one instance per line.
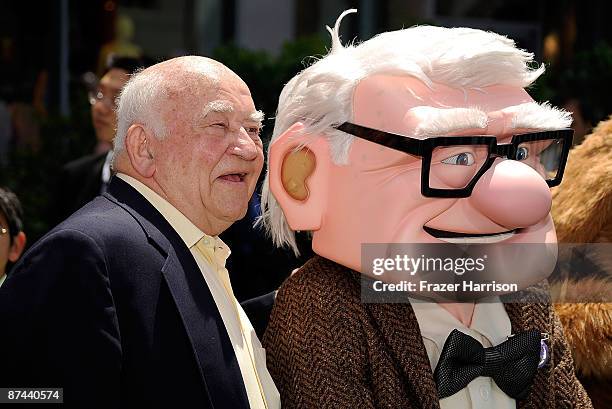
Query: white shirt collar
x=436 y=323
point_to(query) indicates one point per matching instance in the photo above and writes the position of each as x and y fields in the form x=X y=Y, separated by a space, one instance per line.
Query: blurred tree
x=32 y=173
x=582 y=87
x=266 y=74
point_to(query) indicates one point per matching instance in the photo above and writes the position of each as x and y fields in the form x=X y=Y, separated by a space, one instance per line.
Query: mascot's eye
x=463 y=159
x=522 y=153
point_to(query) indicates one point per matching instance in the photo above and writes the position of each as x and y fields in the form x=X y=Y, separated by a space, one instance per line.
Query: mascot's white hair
x=321 y=95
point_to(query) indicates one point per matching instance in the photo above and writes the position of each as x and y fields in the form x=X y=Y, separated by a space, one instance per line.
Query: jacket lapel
x=528 y=316
x=206 y=331
x=399 y=327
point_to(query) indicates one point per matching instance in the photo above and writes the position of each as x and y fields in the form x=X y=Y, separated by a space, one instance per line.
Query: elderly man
x=424 y=136
x=127 y=303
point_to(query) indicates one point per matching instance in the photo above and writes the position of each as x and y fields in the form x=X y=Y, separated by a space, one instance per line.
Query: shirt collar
x=189 y=232
x=217 y=247
x=2 y=279
x=490 y=320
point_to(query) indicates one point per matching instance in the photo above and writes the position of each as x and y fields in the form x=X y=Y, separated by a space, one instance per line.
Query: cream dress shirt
x=2 y=279
x=490 y=326
x=210 y=254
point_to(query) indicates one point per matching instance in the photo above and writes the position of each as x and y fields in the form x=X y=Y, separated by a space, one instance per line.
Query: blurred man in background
x=12 y=237
x=83 y=179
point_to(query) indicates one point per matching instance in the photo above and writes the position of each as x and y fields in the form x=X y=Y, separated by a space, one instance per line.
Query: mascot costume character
x=422 y=135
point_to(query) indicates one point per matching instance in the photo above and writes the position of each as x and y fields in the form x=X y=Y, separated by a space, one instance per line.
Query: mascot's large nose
x=512 y=194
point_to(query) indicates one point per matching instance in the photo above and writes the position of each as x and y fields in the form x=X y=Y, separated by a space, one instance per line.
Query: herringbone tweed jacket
x=327 y=349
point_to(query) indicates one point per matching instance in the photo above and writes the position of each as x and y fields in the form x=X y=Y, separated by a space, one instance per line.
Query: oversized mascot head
x=422 y=135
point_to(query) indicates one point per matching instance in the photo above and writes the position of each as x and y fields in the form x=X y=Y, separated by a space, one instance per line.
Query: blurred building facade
x=64 y=37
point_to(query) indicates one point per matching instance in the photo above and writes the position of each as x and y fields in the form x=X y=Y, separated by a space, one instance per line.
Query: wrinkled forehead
x=229 y=96
x=199 y=96
x=401 y=104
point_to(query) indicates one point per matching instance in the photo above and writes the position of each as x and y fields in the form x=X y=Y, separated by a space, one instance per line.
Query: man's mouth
x=234 y=177
x=469 y=238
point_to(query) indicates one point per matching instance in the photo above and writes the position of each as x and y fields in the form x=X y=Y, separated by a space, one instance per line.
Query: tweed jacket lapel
x=528 y=316
x=399 y=327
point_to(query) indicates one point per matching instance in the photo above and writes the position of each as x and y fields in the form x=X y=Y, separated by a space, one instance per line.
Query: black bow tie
x=512 y=364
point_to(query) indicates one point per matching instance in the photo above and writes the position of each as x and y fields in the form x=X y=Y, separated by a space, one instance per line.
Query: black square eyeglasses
x=452 y=165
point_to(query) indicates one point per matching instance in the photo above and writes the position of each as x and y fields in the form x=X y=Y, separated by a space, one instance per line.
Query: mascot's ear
x=299 y=178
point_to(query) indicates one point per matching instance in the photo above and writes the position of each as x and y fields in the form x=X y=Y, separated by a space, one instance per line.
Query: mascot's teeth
x=478 y=240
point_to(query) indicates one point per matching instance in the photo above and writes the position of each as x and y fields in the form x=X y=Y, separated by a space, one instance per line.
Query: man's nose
x=244 y=145
x=512 y=194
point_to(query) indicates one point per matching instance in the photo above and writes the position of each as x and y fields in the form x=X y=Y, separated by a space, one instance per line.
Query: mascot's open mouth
x=467 y=238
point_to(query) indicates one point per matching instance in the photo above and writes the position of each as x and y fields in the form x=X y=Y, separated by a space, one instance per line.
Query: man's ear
x=140 y=150
x=17 y=247
x=299 y=178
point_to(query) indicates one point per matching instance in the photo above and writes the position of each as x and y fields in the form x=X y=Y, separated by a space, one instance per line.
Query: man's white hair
x=321 y=95
x=139 y=103
x=145 y=97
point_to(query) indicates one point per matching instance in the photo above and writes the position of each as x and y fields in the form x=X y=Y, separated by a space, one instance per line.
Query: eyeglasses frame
x=423 y=148
x=93 y=98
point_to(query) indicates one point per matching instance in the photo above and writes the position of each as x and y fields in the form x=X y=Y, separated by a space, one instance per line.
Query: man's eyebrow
x=443 y=121
x=221 y=106
x=543 y=117
x=217 y=106
x=256 y=116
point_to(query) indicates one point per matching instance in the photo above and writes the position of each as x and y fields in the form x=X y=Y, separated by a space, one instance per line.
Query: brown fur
x=582 y=204
x=582 y=211
x=587 y=326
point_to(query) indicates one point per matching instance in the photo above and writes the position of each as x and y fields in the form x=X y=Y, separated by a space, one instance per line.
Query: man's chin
x=233 y=215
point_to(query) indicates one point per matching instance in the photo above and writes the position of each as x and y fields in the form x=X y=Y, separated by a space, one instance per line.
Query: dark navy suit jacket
x=111 y=306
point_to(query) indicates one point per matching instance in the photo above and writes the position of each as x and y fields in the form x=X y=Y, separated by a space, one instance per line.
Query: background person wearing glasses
x=419 y=136
x=85 y=178
x=12 y=237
